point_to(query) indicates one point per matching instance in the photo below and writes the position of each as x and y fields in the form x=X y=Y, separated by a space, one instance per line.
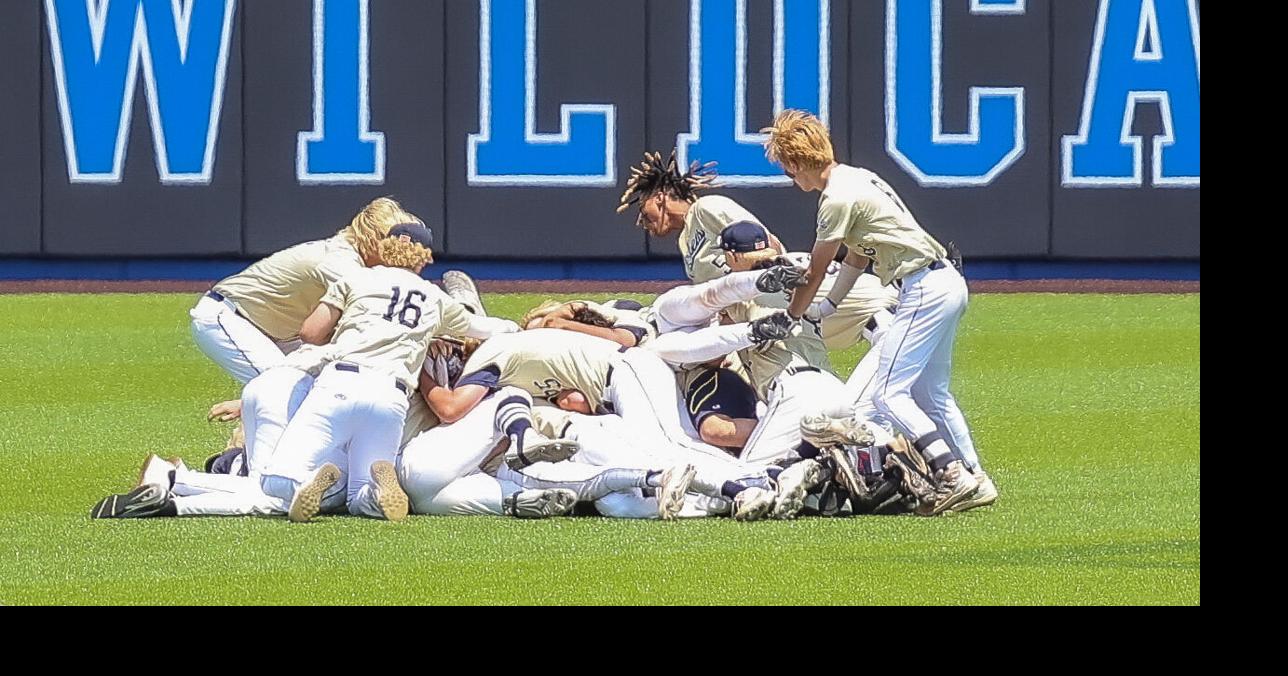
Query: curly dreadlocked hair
x=653 y=176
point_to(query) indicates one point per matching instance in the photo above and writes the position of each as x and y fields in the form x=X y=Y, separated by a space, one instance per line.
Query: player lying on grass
x=861 y=211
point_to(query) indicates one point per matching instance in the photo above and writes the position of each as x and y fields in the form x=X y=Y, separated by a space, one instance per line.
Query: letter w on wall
x=98 y=48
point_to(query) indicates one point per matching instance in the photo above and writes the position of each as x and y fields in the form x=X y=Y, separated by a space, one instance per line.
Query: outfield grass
x=1085 y=409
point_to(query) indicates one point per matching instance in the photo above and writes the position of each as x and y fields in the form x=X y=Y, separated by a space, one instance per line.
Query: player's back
x=277 y=293
x=861 y=209
x=699 y=240
x=388 y=316
x=547 y=361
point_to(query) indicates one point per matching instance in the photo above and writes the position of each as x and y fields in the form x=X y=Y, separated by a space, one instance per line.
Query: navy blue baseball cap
x=413 y=232
x=744 y=236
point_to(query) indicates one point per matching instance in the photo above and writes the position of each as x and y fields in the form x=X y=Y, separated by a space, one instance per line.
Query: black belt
x=793 y=370
x=216 y=295
x=353 y=368
x=934 y=265
x=872 y=324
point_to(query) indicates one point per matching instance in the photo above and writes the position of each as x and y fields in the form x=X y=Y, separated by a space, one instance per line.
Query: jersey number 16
x=409 y=315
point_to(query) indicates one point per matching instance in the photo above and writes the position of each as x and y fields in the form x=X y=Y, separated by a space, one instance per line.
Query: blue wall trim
x=215 y=269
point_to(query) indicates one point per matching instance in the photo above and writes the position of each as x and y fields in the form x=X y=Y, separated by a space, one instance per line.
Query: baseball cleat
x=752 y=504
x=142 y=502
x=539 y=504
x=983 y=496
x=156 y=471
x=824 y=430
x=390 y=497
x=308 y=497
x=670 y=494
x=846 y=474
x=952 y=485
x=537 y=448
x=793 y=483
x=771 y=327
x=461 y=287
x=780 y=278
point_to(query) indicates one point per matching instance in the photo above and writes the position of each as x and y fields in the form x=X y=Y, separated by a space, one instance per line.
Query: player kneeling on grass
x=369 y=337
x=246 y=323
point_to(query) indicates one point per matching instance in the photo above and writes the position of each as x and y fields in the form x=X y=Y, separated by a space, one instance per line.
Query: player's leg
x=269 y=401
x=698 y=304
x=305 y=454
x=643 y=392
x=928 y=308
x=373 y=488
x=589 y=482
x=862 y=379
x=442 y=454
x=232 y=342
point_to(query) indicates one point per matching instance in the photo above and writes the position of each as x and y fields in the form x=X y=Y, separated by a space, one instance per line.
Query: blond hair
x=370 y=226
x=397 y=253
x=539 y=311
x=798 y=140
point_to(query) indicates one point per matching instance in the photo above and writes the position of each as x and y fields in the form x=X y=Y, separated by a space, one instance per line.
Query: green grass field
x=1085 y=409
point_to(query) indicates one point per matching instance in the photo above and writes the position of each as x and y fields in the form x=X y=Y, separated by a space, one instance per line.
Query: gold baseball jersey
x=544 y=362
x=765 y=362
x=700 y=239
x=388 y=317
x=279 y=292
x=859 y=208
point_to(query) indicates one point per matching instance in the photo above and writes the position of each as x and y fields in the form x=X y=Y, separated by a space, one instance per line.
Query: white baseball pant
x=911 y=384
x=434 y=460
x=642 y=390
x=795 y=393
x=357 y=412
x=232 y=342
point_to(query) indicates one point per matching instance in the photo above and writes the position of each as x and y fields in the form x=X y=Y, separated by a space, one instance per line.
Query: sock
x=936 y=452
x=731 y=489
x=773 y=472
x=514 y=419
x=169 y=508
x=872 y=460
x=807 y=450
x=653 y=479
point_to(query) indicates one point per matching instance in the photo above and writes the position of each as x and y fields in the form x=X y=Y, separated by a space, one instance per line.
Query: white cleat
x=156 y=471
x=390 y=496
x=308 y=497
x=670 y=495
x=539 y=504
x=824 y=431
x=793 y=484
x=461 y=287
x=952 y=484
x=983 y=496
x=752 y=504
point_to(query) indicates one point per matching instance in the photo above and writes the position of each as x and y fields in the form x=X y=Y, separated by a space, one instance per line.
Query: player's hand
x=225 y=411
x=816 y=312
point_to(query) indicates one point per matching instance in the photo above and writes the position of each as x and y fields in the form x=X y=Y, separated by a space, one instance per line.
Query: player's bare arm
x=620 y=336
x=450 y=404
x=726 y=432
x=820 y=258
x=225 y=411
x=320 y=325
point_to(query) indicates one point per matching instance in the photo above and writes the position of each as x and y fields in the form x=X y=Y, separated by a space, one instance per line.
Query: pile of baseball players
x=370 y=390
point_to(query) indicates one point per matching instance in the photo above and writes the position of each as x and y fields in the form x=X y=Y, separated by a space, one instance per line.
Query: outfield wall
x=1022 y=129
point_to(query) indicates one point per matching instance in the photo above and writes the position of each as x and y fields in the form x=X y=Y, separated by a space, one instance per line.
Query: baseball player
x=247 y=322
x=671 y=202
x=865 y=312
x=859 y=209
x=370 y=335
